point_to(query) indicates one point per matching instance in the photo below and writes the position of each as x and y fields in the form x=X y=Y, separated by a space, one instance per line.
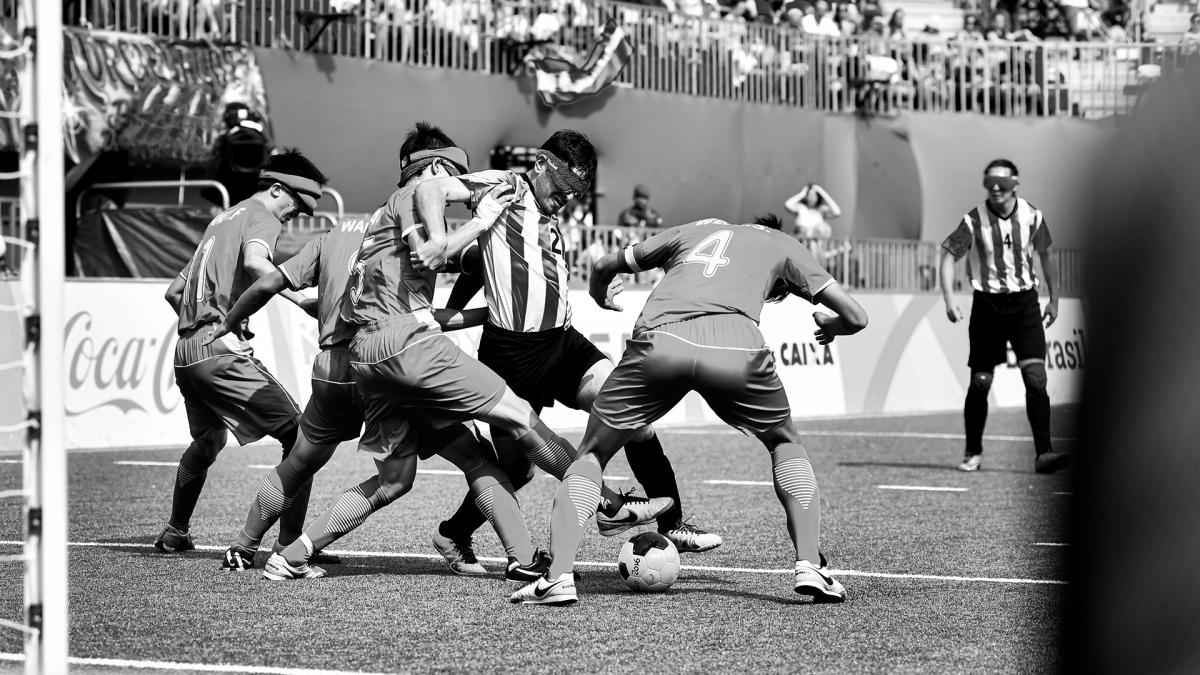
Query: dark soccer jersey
x=1003 y=247
x=714 y=267
x=383 y=284
x=325 y=262
x=524 y=270
x=215 y=278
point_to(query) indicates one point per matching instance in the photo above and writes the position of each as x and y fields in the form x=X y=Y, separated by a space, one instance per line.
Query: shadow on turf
x=935 y=467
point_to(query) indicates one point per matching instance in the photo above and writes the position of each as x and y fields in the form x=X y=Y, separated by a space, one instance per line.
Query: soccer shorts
x=998 y=319
x=540 y=367
x=408 y=380
x=223 y=385
x=333 y=413
x=720 y=356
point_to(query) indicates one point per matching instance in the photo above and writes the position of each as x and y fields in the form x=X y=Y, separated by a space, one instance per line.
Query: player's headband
x=455 y=158
x=564 y=178
x=1003 y=182
x=307 y=189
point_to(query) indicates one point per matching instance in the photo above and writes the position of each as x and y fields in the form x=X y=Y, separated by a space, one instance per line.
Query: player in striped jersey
x=999 y=238
x=223 y=385
x=699 y=332
x=528 y=338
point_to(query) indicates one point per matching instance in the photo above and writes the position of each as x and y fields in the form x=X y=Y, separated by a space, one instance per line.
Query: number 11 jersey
x=715 y=267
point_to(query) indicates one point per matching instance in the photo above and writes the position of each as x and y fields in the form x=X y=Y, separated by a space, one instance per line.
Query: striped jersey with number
x=325 y=262
x=715 y=267
x=524 y=269
x=1002 y=248
x=383 y=284
x=215 y=278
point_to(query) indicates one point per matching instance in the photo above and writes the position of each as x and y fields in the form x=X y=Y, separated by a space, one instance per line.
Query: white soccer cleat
x=561 y=591
x=635 y=511
x=459 y=554
x=970 y=463
x=279 y=569
x=814 y=580
x=690 y=539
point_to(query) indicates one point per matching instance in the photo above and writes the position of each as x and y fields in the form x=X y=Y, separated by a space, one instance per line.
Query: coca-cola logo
x=105 y=371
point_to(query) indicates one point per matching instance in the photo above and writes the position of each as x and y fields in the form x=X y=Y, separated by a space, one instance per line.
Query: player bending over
x=699 y=332
x=223 y=385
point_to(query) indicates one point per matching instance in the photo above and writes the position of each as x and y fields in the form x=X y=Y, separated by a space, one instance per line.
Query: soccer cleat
x=460 y=554
x=970 y=463
x=279 y=569
x=172 y=540
x=237 y=559
x=542 y=591
x=317 y=558
x=690 y=539
x=815 y=581
x=539 y=567
x=1050 y=461
x=635 y=511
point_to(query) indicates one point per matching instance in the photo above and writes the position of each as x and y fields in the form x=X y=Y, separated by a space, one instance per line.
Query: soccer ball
x=649 y=562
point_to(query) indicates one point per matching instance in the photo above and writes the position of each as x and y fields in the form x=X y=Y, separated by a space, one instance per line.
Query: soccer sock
x=796 y=487
x=349 y=511
x=516 y=467
x=1037 y=405
x=549 y=451
x=189 y=482
x=494 y=498
x=653 y=470
x=265 y=509
x=291 y=521
x=975 y=412
x=575 y=503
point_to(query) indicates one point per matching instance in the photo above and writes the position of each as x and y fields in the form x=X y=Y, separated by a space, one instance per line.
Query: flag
x=562 y=79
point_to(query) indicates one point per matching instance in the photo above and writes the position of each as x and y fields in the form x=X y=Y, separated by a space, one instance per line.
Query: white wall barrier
x=121 y=388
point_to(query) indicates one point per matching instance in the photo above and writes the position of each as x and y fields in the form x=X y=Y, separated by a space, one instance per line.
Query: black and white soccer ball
x=649 y=562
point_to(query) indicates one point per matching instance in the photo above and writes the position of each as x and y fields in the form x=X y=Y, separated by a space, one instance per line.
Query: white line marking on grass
x=582 y=563
x=873 y=434
x=1068 y=494
x=441 y=472
x=200 y=667
x=147 y=463
x=1050 y=543
x=925 y=488
x=606 y=477
x=739 y=482
x=261 y=466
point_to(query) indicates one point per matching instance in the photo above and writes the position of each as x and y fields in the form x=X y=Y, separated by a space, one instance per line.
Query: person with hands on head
x=1001 y=235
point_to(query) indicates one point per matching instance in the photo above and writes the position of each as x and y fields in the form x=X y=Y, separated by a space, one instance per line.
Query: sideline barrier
x=121 y=386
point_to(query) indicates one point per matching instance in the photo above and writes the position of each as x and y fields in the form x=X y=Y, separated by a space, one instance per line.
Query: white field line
x=147 y=463
x=739 y=482
x=1068 y=494
x=1050 y=543
x=195 y=667
x=922 y=488
x=872 y=434
x=583 y=563
x=606 y=477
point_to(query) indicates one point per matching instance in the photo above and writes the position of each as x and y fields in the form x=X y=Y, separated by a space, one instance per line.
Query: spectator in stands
x=813 y=208
x=820 y=22
x=971 y=29
x=998 y=31
x=870 y=9
x=1191 y=38
x=847 y=18
x=1073 y=13
x=640 y=215
x=895 y=25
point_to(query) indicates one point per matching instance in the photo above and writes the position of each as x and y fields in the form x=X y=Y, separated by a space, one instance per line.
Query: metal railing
x=715 y=58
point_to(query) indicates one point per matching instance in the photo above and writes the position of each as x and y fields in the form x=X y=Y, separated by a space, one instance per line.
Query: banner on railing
x=160 y=100
x=563 y=78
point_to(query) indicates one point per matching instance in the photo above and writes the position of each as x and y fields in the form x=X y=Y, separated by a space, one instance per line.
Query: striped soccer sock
x=351 y=509
x=496 y=501
x=266 y=508
x=291 y=521
x=796 y=487
x=189 y=483
x=575 y=503
x=549 y=451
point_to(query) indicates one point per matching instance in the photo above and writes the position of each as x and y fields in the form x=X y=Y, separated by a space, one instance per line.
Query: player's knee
x=784 y=433
x=392 y=489
x=981 y=381
x=1034 y=375
x=208 y=445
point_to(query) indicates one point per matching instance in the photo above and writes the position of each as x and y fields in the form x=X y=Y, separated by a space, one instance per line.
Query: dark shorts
x=541 y=367
x=334 y=412
x=999 y=319
x=223 y=385
x=721 y=357
x=407 y=381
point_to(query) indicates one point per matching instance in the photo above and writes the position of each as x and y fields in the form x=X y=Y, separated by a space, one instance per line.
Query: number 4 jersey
x=715 y=267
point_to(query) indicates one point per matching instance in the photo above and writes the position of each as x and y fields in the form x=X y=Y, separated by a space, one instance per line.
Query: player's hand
x=825 y=331
x=494 y=202
x=221 y=330
x=309 y=305
x=615 y=286
x=1050 y=315
x=429 y=256
x=953 y=312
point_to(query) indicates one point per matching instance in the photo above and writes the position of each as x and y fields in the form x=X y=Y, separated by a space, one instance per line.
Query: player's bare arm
x=256 y=260
x=174 y=295
x=603 y=284
x=946 y=277
x=433 y=254
x=253 y=299
x=456 y=319
x=432 y=195
x=465 y=287
x=850 y=318
x=1049 y=276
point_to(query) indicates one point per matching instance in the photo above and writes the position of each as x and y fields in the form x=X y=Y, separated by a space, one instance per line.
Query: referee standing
x=1001 y=235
